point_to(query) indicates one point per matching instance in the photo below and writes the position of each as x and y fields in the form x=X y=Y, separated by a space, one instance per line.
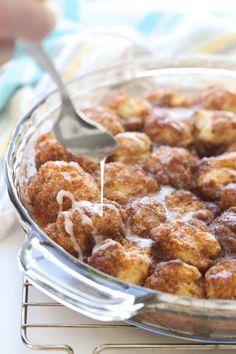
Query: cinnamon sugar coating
x=218 y=97
x=228 y=196
x=144 y=214
x=171 y=192
x=190 y=241
x=47 y=148
x=122 y=182
x=168 y=127
x=172 y=166
x=214 y=130
x=214 y=173
x=125 y=261
x=168 y=98
x=189 y=206
x=52 y=177
x=78 y=230
x=132 y=110
x=224 y=228
x=134 y=147
x=176 y=277
x=220 y=280
x=105 y=117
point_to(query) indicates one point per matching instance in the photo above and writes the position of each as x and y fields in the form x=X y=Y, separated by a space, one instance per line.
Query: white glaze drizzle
x=164 y=192
x=141 y=241
x=103 y=246
x=102 y=168
x=97 y=208
x=172 y=214
x=62 y=194
x=223 y=274
x=94 y=208
x=69 y=230
x=86 y=220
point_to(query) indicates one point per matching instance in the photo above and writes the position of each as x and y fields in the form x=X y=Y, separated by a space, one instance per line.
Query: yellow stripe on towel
x=14 y=116
x=219 y=44
x=72 y=70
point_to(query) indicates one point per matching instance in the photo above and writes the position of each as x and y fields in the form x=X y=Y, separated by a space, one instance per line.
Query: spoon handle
x=44 y=61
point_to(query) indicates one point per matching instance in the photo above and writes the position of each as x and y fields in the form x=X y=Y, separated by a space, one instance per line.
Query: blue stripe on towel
x=160 y=22
x=172 y=23
x=150 y=21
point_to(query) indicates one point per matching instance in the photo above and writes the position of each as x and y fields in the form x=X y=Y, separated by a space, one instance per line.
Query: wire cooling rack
x=28 y=324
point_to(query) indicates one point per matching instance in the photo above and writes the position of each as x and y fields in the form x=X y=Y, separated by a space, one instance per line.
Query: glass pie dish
x=74 y=283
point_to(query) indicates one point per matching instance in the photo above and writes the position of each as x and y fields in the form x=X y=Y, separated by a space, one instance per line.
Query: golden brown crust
x=52 y=177
x=47 y=148
x=84 y=241
x=126 y=262
x=189 y=241
x=105 y=117
x=168 y=98
x=214 y=173
x=187 y=205
x=132 y=110
x=220 y=280
x=219 y=98
x=134 y=147
x=144 y=214
x=176 y=277
x=231 y=147
x=224 y=227
x=123 y=182
x=60 y=237
x=169 y=128
x=228 y=196
x=83 y=226
x=214 y=129
x=172 y=166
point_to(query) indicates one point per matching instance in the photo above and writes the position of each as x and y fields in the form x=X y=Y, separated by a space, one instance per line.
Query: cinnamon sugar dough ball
x=79 y=229
x=105 y=117
x=52 y=177
x=189 y=241
x=220 y=280
x=231 y=147
x=122 y=182
x=214 y=129
x=132 y=110
x=125 y=261
x=228 y=196
x=144 y=214
x=168 y=127
x=218 y=97
x=134 y=147
x=47 y=148
x=168 y=98
x=172 y=166
x=176 y=277
x=184 y=204
x=224 y=228
x=214 y=173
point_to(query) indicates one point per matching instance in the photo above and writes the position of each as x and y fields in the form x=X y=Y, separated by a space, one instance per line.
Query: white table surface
x=83 y=340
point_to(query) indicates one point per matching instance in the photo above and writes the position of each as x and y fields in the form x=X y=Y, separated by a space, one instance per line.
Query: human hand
x=23 y=19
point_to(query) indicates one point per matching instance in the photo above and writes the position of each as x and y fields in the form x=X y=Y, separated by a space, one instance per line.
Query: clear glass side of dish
x=198 y=318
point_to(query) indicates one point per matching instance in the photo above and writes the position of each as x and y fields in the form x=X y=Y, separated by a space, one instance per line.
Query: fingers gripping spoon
x=73 y=129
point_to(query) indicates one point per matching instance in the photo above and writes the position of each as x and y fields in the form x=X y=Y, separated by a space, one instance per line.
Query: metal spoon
x=73 y=129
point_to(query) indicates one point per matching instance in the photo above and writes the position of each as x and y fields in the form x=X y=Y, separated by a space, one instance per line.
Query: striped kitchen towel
x=156 y=32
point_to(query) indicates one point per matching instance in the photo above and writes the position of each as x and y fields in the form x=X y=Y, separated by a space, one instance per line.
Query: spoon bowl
x=73 y=129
